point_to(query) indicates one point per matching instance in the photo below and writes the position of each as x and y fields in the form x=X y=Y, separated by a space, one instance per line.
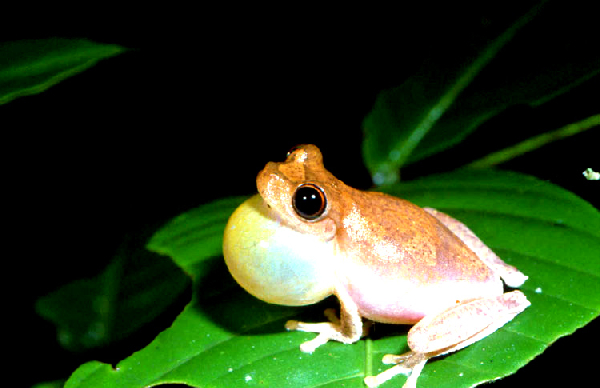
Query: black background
x=198 y=108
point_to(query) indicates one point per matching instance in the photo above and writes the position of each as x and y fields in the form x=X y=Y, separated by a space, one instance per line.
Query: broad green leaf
x=134 y=289
x=227 y=338
x=530 y=62
x=31 y=66
x=197 y=233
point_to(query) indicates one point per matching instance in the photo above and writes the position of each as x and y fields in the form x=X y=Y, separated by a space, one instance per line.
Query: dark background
x=198 y=108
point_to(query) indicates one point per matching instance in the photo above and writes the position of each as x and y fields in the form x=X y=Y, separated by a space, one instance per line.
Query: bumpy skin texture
x=385 y=259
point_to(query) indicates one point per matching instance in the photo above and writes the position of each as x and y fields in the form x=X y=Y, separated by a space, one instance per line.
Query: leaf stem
x=535 y=142
x=368 y=357
x=401 y=151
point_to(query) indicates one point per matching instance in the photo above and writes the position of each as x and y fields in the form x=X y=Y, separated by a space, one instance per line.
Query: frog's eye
x=309 y=201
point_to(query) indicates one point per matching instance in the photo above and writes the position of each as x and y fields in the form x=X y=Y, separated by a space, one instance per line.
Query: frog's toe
x=311 y=345
x=308 y=327
x=409 y=364
x=326 y=330
x=395 y=359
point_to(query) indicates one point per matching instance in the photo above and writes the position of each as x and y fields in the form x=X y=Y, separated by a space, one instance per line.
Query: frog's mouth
x=263 y=207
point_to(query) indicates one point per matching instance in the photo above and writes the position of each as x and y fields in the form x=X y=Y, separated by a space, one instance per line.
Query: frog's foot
x=410 y=364
x=331 y=330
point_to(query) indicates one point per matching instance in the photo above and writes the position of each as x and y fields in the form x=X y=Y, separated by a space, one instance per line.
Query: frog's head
x=278 y=245
x=301 y=192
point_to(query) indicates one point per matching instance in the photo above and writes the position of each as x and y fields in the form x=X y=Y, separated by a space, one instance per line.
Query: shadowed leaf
x=31 y=66
x=471 y=79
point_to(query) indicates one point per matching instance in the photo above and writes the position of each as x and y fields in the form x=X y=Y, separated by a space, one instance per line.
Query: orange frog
x=307 y=235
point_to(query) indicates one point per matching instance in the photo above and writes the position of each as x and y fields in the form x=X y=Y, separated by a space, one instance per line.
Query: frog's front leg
x=348 y=329
x=449 y=331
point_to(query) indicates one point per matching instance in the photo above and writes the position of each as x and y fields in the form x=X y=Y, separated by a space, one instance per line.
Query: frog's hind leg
x=449 y=331
x=511 y=276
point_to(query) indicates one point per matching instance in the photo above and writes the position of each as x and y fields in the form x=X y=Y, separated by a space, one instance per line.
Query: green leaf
x=31 y=66
x=530 y=62
x=195 y=234
x=227 y=338
x=134 y=289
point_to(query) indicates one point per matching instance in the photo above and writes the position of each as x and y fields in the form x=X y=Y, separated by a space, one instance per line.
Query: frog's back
x=400 y=263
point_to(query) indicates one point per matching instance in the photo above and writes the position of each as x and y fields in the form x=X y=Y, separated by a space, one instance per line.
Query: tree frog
x=306 y=235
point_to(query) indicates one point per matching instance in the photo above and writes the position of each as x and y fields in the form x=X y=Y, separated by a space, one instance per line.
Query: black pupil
x=309 y=202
